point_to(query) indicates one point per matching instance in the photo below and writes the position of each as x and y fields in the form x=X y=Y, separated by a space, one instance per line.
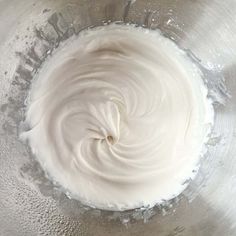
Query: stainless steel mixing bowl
x=30 y=204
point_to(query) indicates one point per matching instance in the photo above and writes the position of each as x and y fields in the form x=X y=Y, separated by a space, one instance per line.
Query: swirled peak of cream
x=118 y=117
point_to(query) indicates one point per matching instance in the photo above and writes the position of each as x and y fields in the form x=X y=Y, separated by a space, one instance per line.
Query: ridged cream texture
x=118 y=117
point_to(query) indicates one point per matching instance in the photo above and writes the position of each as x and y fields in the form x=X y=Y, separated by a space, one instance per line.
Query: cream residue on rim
x=118 y=117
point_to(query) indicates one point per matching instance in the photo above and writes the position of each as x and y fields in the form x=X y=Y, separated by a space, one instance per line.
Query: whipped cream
x=118 y=117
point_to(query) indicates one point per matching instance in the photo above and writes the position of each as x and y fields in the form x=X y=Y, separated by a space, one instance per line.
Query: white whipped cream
x=118 y=117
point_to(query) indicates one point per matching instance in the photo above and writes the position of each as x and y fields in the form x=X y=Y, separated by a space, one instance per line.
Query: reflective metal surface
x=30 y=204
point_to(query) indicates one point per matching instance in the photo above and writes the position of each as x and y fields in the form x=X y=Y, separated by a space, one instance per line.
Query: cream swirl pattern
x=118 y=117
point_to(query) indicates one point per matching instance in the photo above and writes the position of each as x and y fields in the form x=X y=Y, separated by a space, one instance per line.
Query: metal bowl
x=30 y=204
